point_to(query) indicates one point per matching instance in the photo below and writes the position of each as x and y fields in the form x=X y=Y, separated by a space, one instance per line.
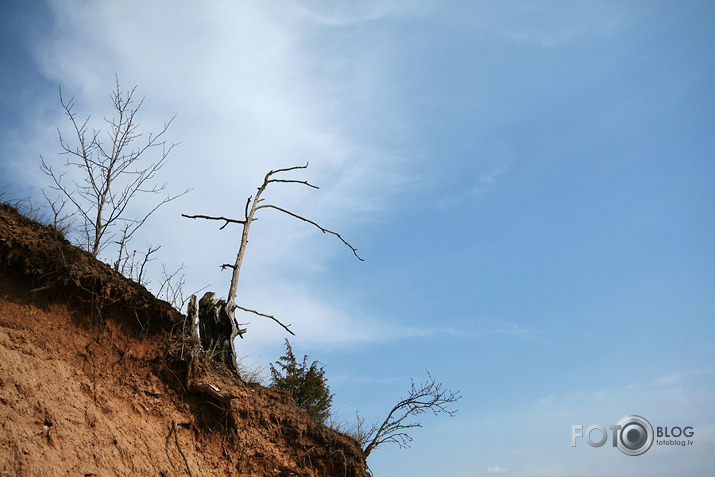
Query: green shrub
x=307 y=384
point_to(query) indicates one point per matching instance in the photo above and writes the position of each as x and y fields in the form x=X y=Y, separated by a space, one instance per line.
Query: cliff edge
x=100 y=378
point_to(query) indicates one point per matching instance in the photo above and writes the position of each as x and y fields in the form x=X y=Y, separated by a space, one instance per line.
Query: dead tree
x=253 y=205
x=218 y=329
x=112 y=172
x=428 y=396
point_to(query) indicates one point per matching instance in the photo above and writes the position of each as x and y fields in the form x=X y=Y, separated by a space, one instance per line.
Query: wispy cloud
x=488 y=179
x=476 y=328
x=252 y=91
x=496 y=470
x=350 y=13
x=322 y=321
x=522 y=435
x=674 y=396
x=539 y=26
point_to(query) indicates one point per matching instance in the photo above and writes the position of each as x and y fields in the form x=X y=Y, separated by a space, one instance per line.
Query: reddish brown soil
x=96 y=379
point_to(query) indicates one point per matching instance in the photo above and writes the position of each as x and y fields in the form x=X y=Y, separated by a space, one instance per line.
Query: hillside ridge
x=99 y=378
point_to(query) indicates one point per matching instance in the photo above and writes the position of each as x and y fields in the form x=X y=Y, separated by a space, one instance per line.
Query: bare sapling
x=113 y=171
x=427 y=396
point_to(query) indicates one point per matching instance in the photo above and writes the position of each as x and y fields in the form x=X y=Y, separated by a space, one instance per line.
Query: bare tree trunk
x=239 y=258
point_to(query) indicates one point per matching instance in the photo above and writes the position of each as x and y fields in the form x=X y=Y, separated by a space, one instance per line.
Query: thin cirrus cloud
x=496 y=470
x=248 y=99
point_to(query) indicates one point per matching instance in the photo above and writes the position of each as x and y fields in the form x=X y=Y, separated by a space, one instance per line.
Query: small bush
x=307 y=384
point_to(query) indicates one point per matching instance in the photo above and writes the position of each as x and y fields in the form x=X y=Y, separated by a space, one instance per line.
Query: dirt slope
x=97 y=379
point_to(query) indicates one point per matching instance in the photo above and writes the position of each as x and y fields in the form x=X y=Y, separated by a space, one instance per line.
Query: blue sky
x=531 y=184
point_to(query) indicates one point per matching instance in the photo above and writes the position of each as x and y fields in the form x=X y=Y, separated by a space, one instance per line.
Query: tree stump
x=218 y=329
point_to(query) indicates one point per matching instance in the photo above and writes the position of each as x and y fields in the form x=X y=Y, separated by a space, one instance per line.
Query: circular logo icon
x=635 y=435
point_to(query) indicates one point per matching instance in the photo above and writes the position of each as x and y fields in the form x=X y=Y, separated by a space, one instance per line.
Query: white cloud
x=476 y=328
x=534 y=438
x=488 y=179
x=253 y=91
x=348 y=13
x=247 y=102
x=539 y=26
x=497 y=470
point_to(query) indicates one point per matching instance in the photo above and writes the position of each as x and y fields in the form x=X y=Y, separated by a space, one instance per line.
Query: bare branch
x=287 y=169
x=208 y=217
x=248 y=204
x=172 y=287
x=322 y=229
x=288 y=181
x=60 y=221
x=150 y=250
x=285 y=327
